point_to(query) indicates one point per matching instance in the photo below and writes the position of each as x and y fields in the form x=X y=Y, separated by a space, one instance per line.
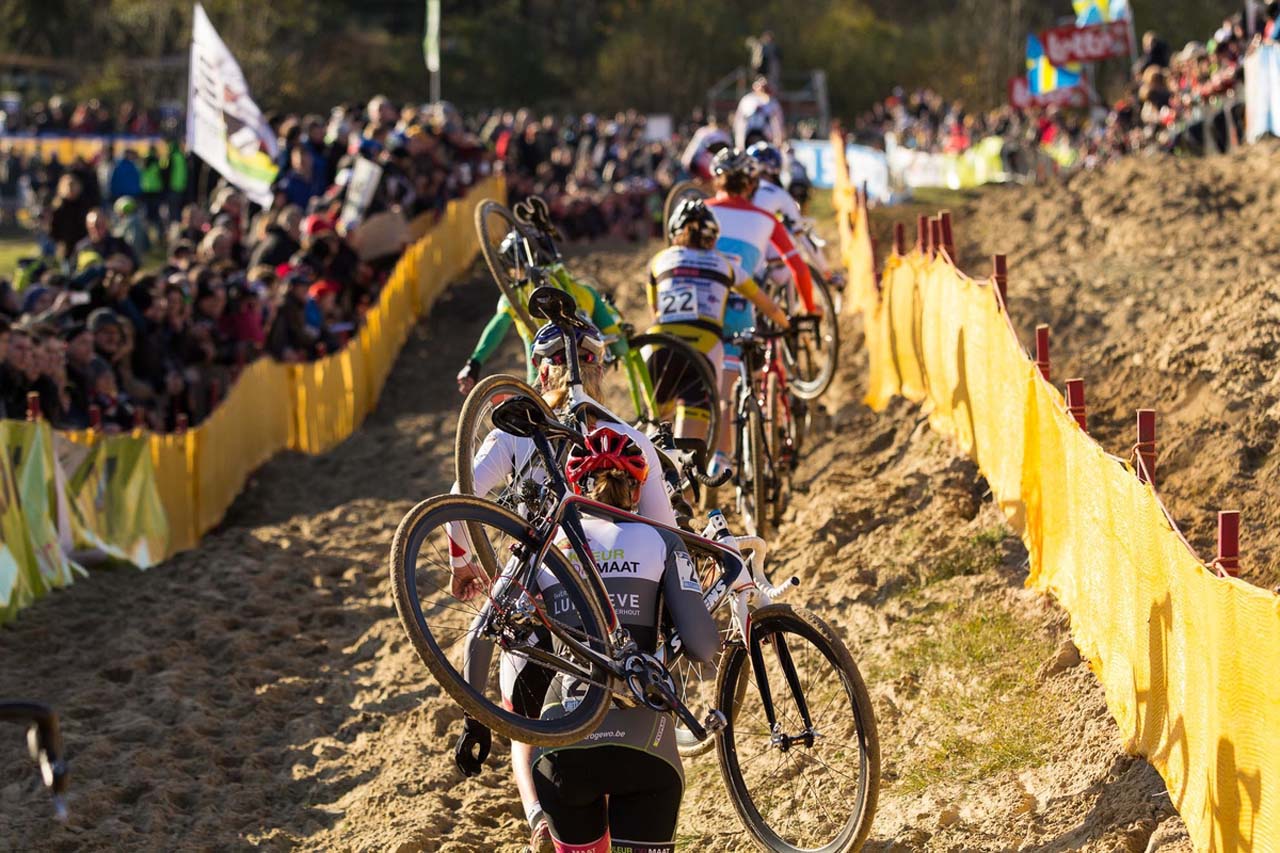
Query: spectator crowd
x=144 y=304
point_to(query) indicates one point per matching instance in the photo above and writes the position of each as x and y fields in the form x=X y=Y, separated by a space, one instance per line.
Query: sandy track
x=259 y=691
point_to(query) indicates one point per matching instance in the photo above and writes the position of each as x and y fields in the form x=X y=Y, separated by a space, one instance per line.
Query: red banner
x=1021 y=98
x=1094 y=43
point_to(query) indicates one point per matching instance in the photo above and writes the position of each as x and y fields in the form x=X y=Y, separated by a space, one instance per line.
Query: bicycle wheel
x=810 y=355
x=474 y=428
x=449 y=633
x=679 y=372
x=753 y=470
x=783 y=446
x=809 y=781
x=682 y=190
x=494 y=222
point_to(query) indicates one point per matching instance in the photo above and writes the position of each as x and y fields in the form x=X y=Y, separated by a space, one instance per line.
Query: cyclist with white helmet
x=690 y=284
x=620 y=787
x=747 y=233
x=588 y=299
x=758 y=116
x=501 y=458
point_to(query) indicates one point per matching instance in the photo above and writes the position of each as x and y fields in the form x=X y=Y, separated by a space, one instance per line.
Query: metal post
x=1042 y=350
x=1228 y=562
x=1075 y=403
x=1146 y=446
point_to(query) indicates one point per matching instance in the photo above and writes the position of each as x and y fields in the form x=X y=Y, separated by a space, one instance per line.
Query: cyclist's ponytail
x=615 y=488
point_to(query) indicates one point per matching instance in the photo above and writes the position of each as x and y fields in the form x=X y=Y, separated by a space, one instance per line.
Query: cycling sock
x=620 y=846
x=600 y=845
x=533 y=813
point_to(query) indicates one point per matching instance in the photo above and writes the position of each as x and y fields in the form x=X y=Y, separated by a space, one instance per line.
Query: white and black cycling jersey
x=690 y=286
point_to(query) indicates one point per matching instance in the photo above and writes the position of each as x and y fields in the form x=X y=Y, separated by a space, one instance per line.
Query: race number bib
x=678 y=303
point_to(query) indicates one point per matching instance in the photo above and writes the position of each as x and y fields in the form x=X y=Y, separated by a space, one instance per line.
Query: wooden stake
x=1075 y=402
x=900 y=239
x=1146 y=446
x=1000 y=272
x=1042 y=350
x=1228 y=562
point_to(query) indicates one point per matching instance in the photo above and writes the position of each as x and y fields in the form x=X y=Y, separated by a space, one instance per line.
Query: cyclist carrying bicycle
x=772 y=197
x=504 y=457
x=708 y=141
x=589 y=302
x=620 y=788
x=690 y=284
x=746 y=234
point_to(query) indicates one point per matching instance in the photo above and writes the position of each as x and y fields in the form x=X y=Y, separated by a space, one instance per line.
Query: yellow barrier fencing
x=1186 y=657
x=143 y=497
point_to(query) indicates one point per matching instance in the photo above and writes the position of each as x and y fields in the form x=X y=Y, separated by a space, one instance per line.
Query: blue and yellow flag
x=1090 y=12
x=1044 y=77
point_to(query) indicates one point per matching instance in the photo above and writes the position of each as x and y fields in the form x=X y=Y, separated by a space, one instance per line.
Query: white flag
x=225 y=128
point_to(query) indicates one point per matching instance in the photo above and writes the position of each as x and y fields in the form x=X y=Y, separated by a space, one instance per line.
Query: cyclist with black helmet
x=589 y=302
x=620 y=787
x=747 y=233
x=690 y=284
x=501 y=458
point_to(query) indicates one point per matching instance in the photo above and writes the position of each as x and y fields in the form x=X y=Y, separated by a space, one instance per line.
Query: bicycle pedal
x=715 y=722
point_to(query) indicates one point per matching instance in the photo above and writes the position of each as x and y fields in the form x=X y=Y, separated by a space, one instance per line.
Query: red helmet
x=606 y=450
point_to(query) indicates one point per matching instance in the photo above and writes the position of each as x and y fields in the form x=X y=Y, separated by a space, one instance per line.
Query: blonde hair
x=554 y=381
x=615 y=488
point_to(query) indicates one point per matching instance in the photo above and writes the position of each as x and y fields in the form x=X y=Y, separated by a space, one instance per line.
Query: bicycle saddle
x=553 y=304
x=522 y=417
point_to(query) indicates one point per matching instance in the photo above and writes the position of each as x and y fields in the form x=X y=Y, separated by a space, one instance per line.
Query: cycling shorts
x=701 y=338
x=589 y=791
x=739 y=316
x=677 y=380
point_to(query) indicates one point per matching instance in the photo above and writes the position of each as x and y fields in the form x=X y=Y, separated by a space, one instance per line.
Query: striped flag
x=1090 y=12
x=1043 y=76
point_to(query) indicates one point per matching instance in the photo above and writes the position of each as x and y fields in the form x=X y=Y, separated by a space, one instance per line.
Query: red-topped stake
x=1075 y=402
x=1000 y=273
x=948 y=240
x=33 y=405
x=900 y=239
x=1146 y=446
x=935 y=234
x=923 y=241
x=1042 y=350
x=95 y=417
x=1228 y=562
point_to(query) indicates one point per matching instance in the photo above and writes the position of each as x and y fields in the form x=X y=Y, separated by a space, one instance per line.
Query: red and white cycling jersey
x=696 y=159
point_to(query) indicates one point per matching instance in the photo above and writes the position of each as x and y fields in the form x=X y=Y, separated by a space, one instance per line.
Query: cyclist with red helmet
x=620 y=788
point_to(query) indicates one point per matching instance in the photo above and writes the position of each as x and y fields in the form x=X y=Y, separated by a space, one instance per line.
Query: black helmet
x=731 y=162
x=693 y=211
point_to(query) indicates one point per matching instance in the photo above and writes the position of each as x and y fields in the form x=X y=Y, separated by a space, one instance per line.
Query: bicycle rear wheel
x=494 y=222
x=810 y=355
x=679 y=372
x=453 y=635
x=783 y=445
x=809 y=781
x=682 y=190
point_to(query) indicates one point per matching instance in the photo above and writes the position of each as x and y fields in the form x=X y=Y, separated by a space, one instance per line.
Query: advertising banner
x=1262 y=93
x=1063 y=45
x=1021 y=97
x=225 y=128
x=866 y=165
x=365 y=177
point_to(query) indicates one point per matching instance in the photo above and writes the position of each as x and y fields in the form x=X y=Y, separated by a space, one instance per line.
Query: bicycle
x=682 y=459
x=771 y=422
x=679 y=191
x=799 y=754
x=44 y=741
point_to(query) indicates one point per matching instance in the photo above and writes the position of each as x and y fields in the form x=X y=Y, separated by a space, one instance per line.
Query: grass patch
x=978 y=690
x=979 y=553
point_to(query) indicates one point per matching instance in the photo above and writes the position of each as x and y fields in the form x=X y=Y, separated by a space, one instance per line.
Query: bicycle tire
x=493 y=258
x=770 y=622
x=683 y=189
x=828 y=343
x=706 y=375
x=781 y=427
x=418 y=523
x=751 y=472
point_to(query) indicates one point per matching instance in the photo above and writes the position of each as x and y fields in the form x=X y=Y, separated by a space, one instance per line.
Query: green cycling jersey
x=589 y=301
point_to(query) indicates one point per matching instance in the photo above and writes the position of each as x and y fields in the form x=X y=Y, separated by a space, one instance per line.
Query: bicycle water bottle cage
x=523 y=418
x=556 y=306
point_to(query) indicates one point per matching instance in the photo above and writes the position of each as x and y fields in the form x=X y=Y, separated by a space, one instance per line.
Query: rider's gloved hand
x=468 y=375
x=473 y=747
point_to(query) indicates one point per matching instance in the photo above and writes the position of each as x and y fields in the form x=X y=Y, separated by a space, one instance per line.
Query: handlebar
x=707 y=480
x=44 y=740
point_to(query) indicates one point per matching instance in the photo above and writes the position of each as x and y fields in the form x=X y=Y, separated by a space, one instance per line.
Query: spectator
x=67 y=223
x=125 y=179
x=99 y=243
x=129 y=226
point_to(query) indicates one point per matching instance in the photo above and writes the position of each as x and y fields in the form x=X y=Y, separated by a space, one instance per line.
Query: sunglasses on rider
x=558 y=358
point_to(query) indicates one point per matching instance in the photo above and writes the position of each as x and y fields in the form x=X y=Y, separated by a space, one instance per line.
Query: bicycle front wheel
x=516 y=613
x=494 y=221
x=800 y=756
x=810 y=354
x=679 y=192
x=679 y=375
